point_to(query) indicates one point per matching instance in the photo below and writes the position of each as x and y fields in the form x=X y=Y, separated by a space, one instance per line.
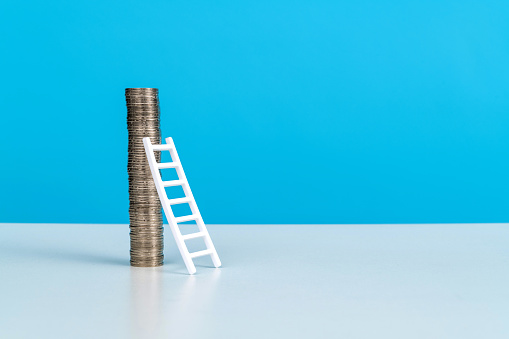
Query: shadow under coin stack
x=145 y=215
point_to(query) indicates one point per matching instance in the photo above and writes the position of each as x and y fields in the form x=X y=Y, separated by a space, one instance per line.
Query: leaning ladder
x=189 y=199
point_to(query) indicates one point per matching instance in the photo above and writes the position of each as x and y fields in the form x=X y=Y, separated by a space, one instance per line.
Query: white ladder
x=189 y=199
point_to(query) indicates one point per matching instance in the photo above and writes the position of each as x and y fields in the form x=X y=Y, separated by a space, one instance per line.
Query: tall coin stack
x=145 y=215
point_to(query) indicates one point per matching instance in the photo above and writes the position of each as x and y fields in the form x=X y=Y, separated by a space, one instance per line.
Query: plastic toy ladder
x=189 y=199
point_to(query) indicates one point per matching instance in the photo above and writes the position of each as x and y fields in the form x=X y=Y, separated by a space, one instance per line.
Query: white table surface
x=277 y=281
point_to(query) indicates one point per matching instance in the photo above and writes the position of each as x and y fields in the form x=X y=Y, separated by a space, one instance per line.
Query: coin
x=145 y=214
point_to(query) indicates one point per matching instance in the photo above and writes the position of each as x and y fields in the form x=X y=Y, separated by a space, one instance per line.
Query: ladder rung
x=163 y=147
x=200 y=253
x=193 y=235
x=186 y=218
x=178 y=201
x=173 y=183
x=167 y=165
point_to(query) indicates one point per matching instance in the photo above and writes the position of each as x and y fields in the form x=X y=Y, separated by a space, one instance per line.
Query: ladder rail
x=156 y=175
x=192 y=204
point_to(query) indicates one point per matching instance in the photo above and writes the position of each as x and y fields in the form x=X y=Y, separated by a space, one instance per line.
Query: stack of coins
x=145 y=215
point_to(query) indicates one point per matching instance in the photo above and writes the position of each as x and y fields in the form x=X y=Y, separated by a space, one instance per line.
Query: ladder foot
x=216 y=261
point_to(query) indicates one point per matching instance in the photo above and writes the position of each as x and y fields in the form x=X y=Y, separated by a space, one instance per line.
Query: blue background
x=282 y=111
